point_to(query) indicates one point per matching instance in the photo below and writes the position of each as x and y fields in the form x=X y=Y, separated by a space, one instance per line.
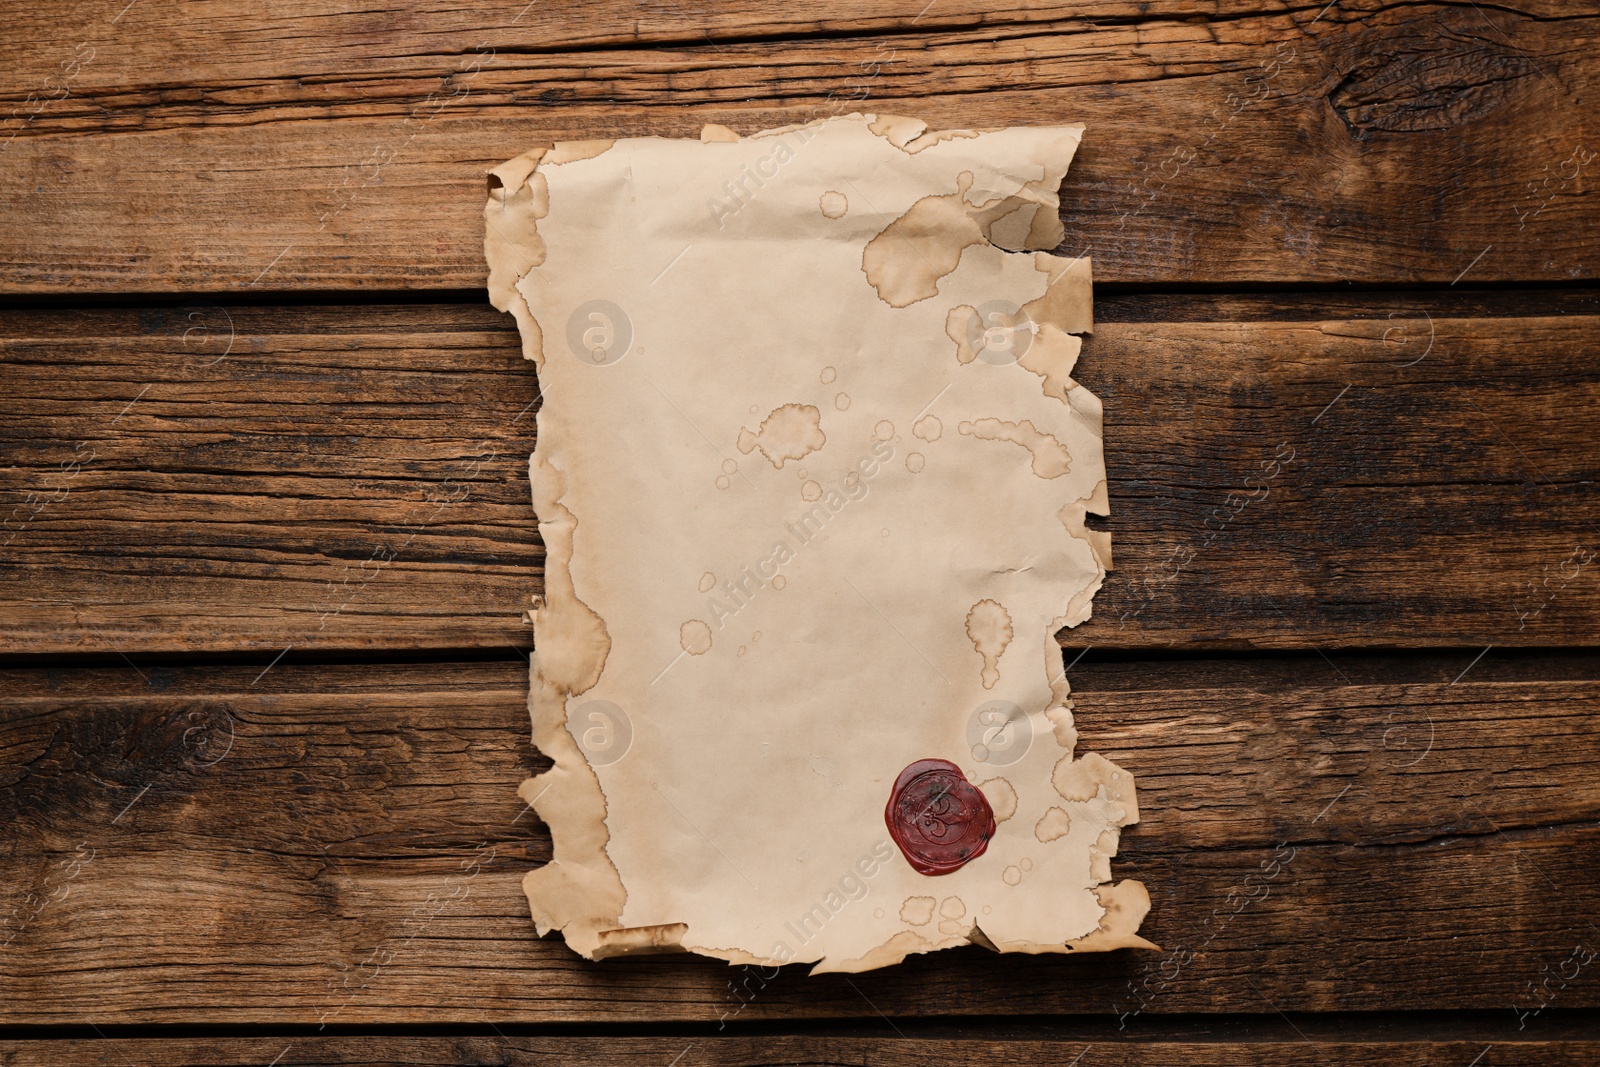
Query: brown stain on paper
x=909 y=256
x=906 y=260
x=912 y=135
x=572 y=651
x=519 y=197
x=1002 y=798
x=1051 y=825
x=1068 y=301
x=571 y=648
x=1126 y=904
x=1050 y=457
x=989 y=629
x=695 y=637
x=1082 y=779
x=951 y=911
x=1052 y=355
x=959 y=322
x=792 y=431
x=917 y=911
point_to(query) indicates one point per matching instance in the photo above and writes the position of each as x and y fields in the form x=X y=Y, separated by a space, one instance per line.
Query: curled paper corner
x=812 y=475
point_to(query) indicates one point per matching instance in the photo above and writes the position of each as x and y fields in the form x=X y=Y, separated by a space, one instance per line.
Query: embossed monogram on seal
x=937 y=817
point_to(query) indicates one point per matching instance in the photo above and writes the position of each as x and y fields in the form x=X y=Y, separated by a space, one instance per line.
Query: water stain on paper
x=695 y=637
x=1051 y=825
x=989 y=629
x=906 y=260
x=792 y=431
x=1002 y=797
x=1050 y=457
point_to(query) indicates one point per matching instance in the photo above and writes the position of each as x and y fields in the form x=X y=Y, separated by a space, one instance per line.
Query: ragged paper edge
x=571 y=647
x=570 y=654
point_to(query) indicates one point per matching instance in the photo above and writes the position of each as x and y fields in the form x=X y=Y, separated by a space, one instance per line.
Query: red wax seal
x=937 y=817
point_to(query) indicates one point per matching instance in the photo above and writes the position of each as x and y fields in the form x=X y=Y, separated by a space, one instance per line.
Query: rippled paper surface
x=811 y=475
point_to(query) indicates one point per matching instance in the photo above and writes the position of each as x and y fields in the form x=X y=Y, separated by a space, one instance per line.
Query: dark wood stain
x=1420 y=81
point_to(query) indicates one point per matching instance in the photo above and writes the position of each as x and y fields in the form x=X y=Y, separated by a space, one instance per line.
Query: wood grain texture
x=759 y=1051
x=313 y=148
x=1350 y=836
x=264 y=479
x=312 y=479
x=293 y=843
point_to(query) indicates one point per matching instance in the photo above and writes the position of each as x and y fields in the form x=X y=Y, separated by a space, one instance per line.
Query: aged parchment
x=811 y=475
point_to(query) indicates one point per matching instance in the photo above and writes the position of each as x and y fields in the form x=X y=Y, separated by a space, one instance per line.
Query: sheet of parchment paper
x=811 y=476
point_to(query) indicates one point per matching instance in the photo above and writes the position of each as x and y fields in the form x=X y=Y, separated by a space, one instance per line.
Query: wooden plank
x=1239 y=143
x=266 y=479
x=513 y=1051
x=342 y=845
x=313 y=479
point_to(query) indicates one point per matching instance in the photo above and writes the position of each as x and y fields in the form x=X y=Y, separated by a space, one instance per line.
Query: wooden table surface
x=267 y=537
